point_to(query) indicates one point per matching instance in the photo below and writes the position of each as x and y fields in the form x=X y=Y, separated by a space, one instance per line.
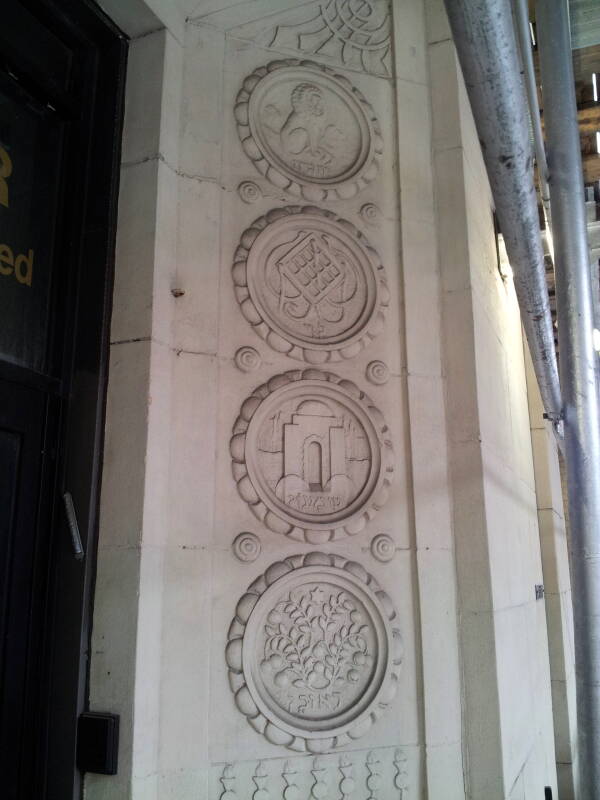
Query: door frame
x=89 y=211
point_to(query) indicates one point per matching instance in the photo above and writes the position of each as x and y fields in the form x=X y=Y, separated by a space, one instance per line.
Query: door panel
x=22 y=423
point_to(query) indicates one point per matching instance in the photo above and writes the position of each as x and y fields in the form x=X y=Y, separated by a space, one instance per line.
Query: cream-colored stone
x=145 y=252
x=453 y=243
x=433 y=516
x=447 y=129
x=193 y=450
x=122 y=499
x=438 y=610
x=410 y=53
x=132 y=304
x=113 y=654
x=445 y=771
x=202 y=107
x=462 y=408
x=185 y=681
x=414 y=152
x=152 y=112
x=438 y=27
x=198 y=275
x=421 y=286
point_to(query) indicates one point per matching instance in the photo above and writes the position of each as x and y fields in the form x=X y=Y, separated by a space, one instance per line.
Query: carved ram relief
x=310 y=284
x=311 y=456
x=308 y=130
x=313 y=653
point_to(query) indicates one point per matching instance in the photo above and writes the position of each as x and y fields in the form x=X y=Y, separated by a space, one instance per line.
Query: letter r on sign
x=5 y=172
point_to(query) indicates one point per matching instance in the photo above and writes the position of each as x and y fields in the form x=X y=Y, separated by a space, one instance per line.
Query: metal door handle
x=73 y=526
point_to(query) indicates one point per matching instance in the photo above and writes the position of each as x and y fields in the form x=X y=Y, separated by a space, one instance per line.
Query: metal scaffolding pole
x=577 y=370
x=521 y=12
x=487 y=48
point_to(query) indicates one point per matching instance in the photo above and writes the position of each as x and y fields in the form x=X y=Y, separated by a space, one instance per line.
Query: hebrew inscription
x=312 y=652
x=308 y=130
x=311 y=456
x=310 y=284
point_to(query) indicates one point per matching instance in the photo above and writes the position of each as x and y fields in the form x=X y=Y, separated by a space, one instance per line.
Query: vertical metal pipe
x=577 y=370
x=485 y=40
x=521 y=12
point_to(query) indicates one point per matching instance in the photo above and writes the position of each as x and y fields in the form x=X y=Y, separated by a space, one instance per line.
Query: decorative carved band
x=355 y=33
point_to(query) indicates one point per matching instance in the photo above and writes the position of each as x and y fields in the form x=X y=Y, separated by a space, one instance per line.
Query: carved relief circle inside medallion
x=311 y=456
x=318 y=658
x=305 y=126
x=310 y=283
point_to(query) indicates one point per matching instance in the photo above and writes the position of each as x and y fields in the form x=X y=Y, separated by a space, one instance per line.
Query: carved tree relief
x=313 y=653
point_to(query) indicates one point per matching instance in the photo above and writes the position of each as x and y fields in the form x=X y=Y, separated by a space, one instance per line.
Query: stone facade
x=319 y=531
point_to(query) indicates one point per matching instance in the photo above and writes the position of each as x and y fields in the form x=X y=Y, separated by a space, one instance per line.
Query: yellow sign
x=21 y=266
x=5 y=172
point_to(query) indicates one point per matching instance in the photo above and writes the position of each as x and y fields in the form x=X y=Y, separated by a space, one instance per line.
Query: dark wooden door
x=61 y=88
x=27 y=423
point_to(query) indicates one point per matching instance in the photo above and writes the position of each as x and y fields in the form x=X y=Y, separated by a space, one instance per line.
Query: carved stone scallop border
x=269 y=516
x=312 y=355
x=309 y=191
x=268 y=727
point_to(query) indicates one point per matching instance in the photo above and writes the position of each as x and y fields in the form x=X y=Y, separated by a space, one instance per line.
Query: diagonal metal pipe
x=485 y=40
x=521 y=13
x=578 y=360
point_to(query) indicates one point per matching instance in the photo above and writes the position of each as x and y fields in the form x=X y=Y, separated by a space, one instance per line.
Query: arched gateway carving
x=311 y=455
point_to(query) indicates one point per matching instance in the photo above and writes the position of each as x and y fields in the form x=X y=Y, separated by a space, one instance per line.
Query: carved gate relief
x=311 y=456
x=314 y=613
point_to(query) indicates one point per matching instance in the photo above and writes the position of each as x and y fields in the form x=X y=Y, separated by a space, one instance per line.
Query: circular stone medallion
x=318 y=658
x=311 y=455
x=307 y=129
x=310 y=283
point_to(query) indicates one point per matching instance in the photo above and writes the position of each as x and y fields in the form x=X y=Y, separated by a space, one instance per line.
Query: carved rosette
x=310 y=284
x=313 y=652
x=308 y=130
x=311 y=456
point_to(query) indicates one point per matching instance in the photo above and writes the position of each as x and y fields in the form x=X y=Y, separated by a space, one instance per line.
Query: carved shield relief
x=310 y=284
